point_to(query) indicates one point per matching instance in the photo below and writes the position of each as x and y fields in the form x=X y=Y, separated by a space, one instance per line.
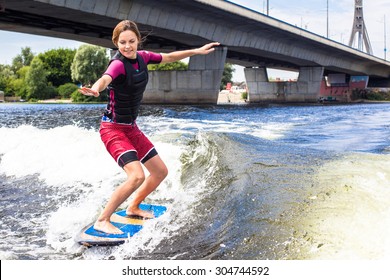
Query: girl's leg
x=135 y=177
x=158 y=171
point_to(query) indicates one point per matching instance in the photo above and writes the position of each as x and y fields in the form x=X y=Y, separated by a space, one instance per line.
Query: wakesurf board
x=130 y=225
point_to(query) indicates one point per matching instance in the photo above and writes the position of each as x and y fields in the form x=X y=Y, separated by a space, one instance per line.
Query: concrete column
x=309 y=82
x=306 y=89
x=259 y=88
x=198 y=85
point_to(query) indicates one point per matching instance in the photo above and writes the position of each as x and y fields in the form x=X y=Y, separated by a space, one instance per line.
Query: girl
x=126 y=78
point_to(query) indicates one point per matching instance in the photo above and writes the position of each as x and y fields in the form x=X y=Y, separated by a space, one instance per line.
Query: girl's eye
x=124 y=43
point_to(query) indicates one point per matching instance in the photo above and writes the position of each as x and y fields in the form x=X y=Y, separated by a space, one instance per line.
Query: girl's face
x=128 y=44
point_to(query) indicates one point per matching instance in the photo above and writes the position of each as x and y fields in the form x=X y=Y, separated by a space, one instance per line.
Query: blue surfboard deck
x=130 y=225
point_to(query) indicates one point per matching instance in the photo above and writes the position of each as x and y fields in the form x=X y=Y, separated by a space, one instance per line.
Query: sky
x=311 y=15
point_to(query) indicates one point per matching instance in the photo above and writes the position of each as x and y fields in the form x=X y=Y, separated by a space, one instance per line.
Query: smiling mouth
x=128 y=53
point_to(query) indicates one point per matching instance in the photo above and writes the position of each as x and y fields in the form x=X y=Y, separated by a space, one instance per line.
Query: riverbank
x=56 y=101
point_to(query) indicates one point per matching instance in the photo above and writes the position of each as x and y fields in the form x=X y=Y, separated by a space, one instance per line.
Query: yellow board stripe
x=126 y=220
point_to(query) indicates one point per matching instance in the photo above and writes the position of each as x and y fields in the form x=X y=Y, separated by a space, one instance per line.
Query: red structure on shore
x=337 y=87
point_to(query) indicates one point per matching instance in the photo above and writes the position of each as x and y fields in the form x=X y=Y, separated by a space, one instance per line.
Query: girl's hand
x=208 y=48
x=88 y=92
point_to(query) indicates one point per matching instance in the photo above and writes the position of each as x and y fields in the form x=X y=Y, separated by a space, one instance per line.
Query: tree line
x=54 y=73
x=58 y=73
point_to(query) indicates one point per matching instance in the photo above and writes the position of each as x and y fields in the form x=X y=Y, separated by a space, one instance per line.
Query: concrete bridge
x=249 y=38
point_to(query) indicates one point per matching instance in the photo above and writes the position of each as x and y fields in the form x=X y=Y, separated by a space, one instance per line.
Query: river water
x=245 y=182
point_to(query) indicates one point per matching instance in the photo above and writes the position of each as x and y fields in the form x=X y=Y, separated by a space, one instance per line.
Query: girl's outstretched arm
x=179 y=55
x=97 y=87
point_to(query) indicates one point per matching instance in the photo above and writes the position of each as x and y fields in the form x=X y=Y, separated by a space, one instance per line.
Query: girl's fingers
x=88 y=91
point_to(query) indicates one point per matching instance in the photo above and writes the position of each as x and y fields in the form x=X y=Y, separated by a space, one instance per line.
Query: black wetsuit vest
x=126 y=93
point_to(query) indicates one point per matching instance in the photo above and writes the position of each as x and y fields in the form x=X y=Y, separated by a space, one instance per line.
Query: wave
x=73 y=176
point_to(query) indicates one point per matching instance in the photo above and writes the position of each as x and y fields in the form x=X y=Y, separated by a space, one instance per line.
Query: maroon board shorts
x=126 y=143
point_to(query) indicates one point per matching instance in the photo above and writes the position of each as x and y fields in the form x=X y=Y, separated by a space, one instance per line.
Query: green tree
x=66 y=90
x=23 y=59
x=36 y=80
x=57 y=63
x=17 y=85
x=88 y=64
x=227 y=75
x=6 y=76
x=178 y=65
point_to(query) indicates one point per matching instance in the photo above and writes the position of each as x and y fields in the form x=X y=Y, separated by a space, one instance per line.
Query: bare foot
x=106 y=227
x=138 y=212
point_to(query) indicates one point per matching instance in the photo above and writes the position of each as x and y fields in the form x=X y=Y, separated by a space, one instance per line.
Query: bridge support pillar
x=200 y=84
x=259 y=88
x=306 y=89
x=309 y=82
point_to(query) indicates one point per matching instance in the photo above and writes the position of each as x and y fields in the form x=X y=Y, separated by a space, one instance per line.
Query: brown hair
x=123 y=26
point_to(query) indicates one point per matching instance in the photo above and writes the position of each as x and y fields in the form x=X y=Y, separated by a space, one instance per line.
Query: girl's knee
x=164 y=172
x=161 y=173
x=135 y=173
x=136 y=178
